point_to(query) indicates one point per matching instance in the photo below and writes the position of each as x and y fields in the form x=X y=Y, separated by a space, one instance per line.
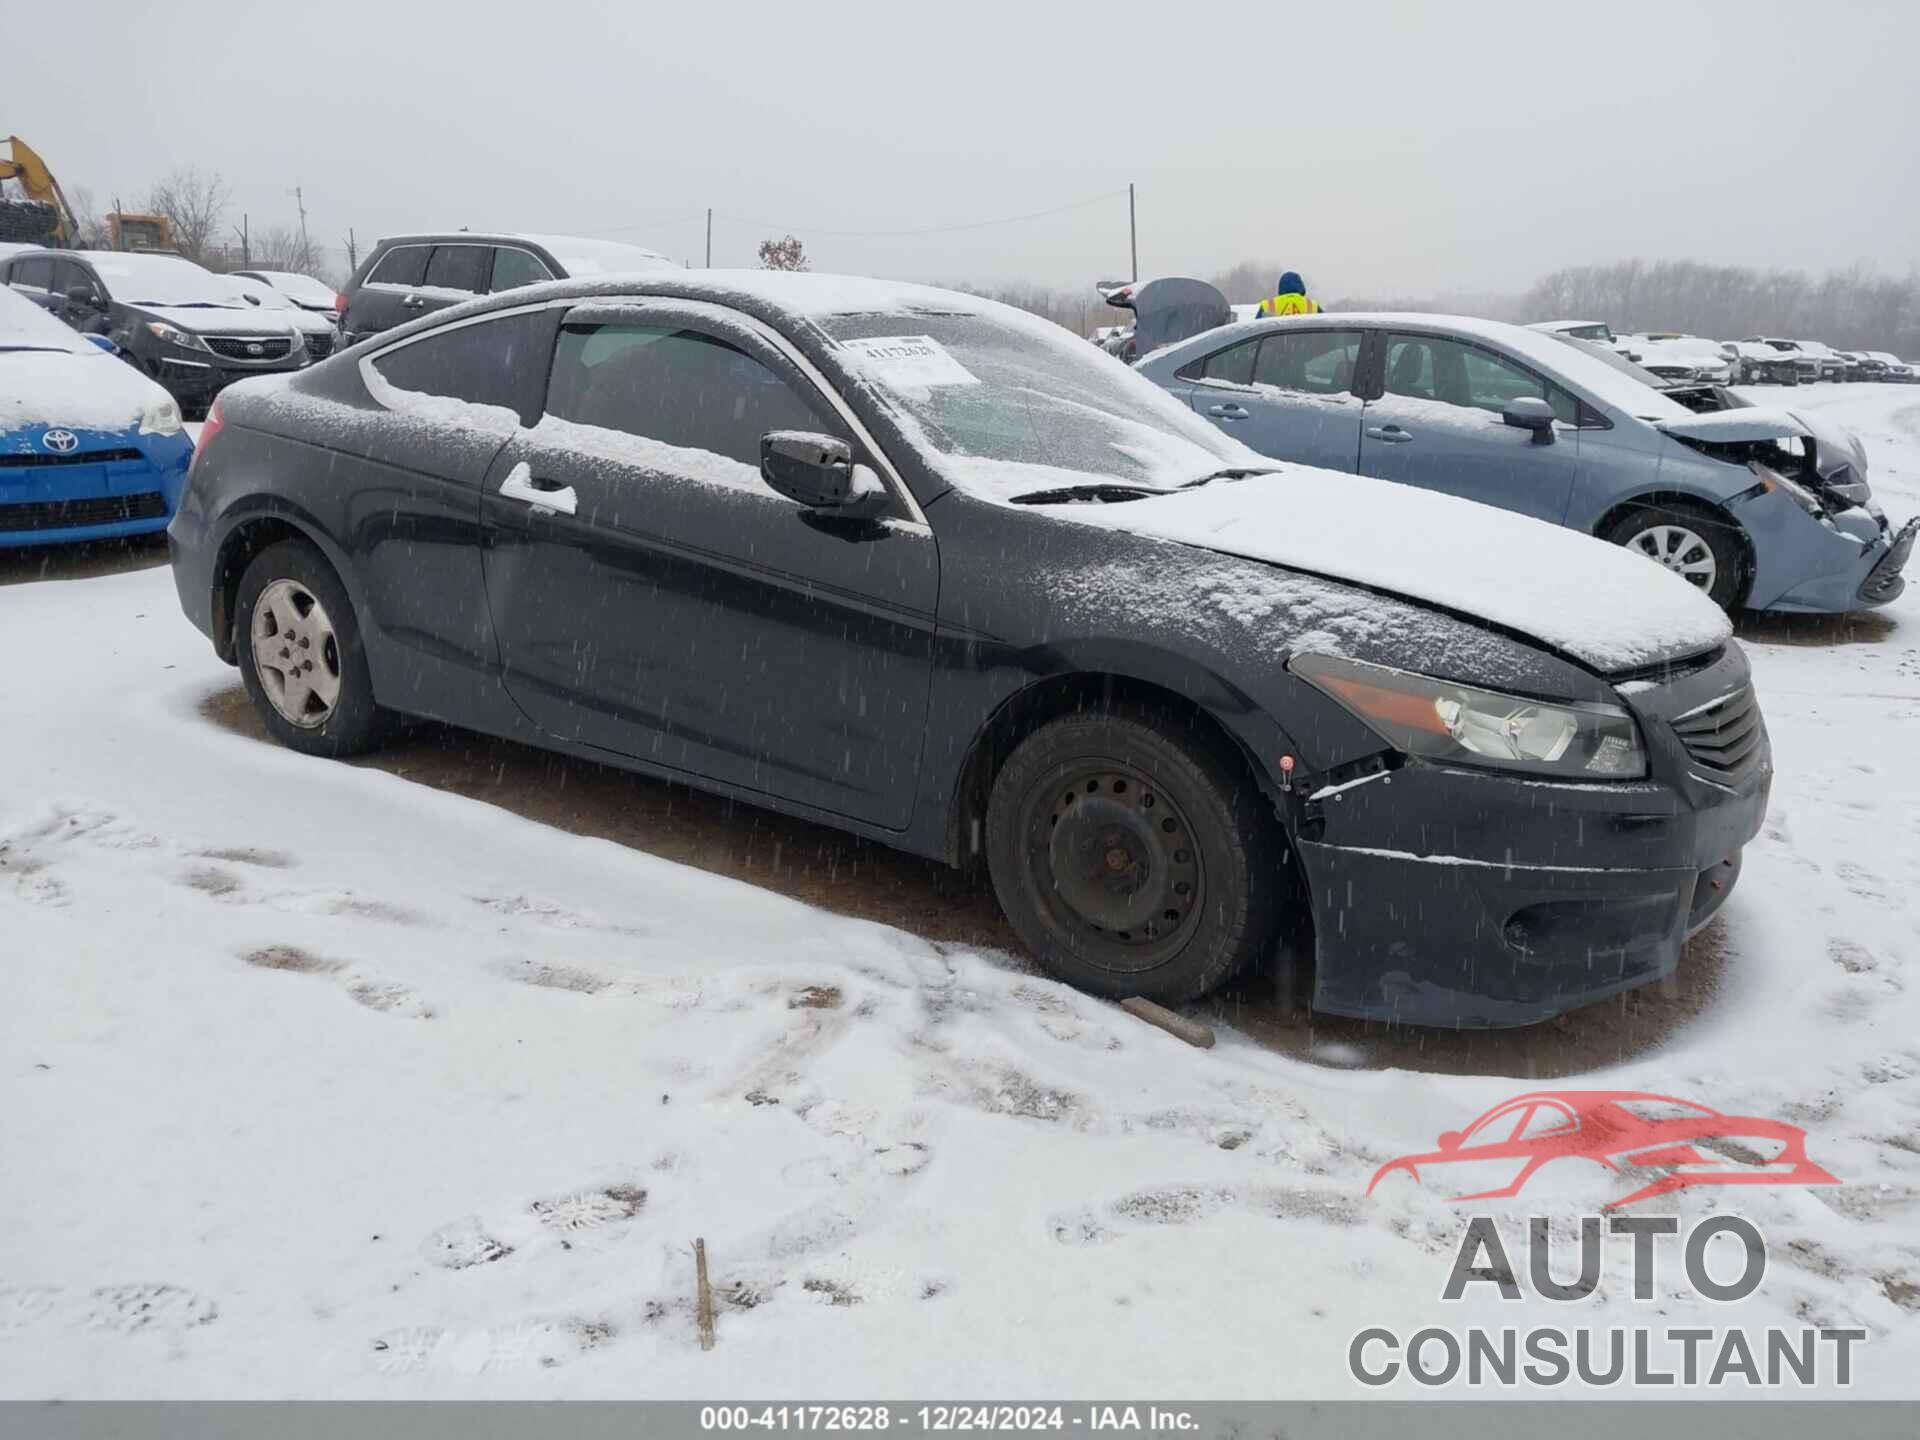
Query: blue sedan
x=89 y=447
x=1767 y=509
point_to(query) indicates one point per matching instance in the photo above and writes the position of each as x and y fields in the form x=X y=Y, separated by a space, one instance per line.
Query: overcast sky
x=1381 y=148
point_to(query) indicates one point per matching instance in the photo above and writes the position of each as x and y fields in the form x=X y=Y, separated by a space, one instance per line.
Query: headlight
x=162 y=417
x=1772 y=479
x=1442 y=720
x=170 y=335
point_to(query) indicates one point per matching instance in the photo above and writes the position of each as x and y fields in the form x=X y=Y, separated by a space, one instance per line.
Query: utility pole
x=353 y=252
x=246 y=253
x=306 y=249
x=1133 y=235
x=709 y=237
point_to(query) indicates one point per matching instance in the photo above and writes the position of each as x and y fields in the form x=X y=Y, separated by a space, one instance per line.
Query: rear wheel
x=1132 y=859
x=1702 y=549
x=298 y=643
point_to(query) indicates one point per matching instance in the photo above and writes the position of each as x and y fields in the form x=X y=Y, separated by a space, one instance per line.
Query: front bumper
x=1860 y=561
x=1467 y=899
x=194 y=382
x=133 y=493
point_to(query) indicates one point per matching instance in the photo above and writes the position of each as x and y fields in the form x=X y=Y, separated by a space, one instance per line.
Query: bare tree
x=786 y=253
x=194 y=201
x=93 y=228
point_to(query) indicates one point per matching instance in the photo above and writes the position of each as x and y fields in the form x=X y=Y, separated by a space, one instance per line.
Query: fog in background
x=1385 y=149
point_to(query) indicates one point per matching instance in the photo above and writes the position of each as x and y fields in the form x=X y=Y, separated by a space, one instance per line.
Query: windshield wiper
x=1239 y=474
x=1106 y=491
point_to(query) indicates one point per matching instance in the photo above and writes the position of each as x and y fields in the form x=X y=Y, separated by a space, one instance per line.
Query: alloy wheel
x=296 y=654
x=1679 y=549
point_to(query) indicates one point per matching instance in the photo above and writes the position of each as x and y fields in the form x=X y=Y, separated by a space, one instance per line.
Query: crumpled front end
x=1462 y=898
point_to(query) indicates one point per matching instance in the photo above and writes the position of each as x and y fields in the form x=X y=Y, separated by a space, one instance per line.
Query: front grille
x=319 y=346
x=1725 y=738
x=243 y=347
x=85 y=457
x=66 y=514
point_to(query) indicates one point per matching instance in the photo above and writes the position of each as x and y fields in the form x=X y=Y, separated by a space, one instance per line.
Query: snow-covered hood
x=71 y=391
x=1834 y=447
x=1587 y=599
x=222 y=320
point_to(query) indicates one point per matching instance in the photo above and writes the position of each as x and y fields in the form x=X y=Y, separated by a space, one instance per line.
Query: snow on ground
x=317 y=1082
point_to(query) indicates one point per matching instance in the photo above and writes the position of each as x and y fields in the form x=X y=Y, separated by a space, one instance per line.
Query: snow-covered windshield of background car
x=1007 y=408
x=164 y=280
x=25 y=326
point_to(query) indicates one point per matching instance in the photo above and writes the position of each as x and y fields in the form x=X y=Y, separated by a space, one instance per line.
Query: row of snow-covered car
x=1757 y=360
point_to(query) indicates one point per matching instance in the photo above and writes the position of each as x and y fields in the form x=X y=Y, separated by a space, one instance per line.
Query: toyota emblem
x=61 y=442
x=256 y=349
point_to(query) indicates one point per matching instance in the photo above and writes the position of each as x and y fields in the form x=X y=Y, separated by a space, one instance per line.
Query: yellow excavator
x=46 y=218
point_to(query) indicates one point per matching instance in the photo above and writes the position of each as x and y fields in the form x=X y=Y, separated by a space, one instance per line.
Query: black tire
x=1719 y=535
x=347 y=723
x=1140 y=913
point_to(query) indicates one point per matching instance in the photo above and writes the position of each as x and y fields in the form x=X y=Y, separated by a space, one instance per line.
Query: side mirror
x=818 y=472
x=1450 y=1141
x=83 y=295
x=1530 y=412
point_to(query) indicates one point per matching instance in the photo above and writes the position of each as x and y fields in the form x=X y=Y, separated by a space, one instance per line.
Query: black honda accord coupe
x=928 y=569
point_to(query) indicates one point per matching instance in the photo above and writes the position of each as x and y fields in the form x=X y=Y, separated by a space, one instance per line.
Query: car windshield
x=163 y=280
x=1009 y=409
x=1588 y=332
x=25 y=326
x=303 y=288
x=1610 y=357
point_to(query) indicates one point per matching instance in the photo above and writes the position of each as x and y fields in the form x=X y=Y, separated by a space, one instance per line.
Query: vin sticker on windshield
x=917 y=361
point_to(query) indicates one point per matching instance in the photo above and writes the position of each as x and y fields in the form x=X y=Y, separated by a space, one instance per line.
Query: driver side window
x=675 y=386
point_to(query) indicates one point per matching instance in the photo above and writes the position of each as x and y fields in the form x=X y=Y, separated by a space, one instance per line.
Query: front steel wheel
x=296 y=653
x=1134 y=855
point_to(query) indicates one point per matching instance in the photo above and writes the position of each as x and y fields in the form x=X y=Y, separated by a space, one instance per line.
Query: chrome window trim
x=889 y=474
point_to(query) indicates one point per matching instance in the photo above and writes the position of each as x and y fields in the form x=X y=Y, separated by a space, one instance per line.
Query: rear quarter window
x=500 y=362
x=402 y=265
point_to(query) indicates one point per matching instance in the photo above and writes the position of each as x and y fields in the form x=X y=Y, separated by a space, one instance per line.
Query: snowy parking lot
x=343 y=1080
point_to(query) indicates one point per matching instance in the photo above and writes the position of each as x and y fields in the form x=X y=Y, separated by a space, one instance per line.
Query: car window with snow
x=460 y=267
x=481 y=364
x=675 y=386
x=1007 y=403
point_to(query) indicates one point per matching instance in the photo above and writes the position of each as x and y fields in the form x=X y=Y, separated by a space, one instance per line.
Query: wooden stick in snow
x=1192 y=1031
x=702 y=1295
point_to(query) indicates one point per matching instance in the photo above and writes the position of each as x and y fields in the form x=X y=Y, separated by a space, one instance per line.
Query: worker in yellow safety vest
x=1290 y=298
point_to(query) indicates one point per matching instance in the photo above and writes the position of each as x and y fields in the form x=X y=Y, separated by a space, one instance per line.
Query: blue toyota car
x=89 y=447
x=1760 y=508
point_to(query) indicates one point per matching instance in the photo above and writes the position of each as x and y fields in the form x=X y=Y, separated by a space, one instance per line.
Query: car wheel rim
x=296 y=654
x=1681 y=550
x=1120 y=864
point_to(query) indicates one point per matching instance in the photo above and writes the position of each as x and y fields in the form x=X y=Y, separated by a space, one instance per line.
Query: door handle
x=412 y=302
x=540 y=494
x=1392 y=434
x=1228 y=412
